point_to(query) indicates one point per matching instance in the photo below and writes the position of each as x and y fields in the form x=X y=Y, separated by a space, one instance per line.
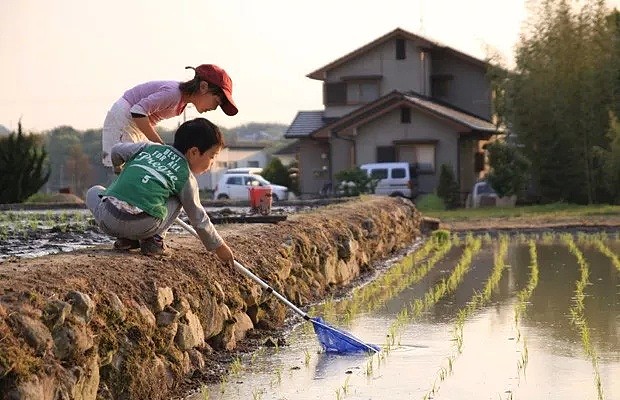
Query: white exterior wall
x=313 y=168
x=388 y=128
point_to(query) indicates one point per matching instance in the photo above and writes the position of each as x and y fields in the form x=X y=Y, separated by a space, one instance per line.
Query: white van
x=395 y=178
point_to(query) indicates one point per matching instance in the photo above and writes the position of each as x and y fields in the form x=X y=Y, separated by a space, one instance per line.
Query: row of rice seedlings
x=577 y=310
x=21 y=225
x=523 y=297
x=405 y=273
x=395 y=280
x=414 y=309
x=477 y=301
x=598 y=241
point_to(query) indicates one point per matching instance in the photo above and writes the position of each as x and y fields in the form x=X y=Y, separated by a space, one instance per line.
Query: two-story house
x=401 y=97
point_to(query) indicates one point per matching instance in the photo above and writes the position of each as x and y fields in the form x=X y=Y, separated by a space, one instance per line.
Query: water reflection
x=540 y=355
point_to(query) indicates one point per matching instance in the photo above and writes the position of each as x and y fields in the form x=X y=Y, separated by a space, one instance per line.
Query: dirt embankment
x=103 y=324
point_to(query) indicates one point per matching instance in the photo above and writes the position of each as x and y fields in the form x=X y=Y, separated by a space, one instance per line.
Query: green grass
x=539 y=211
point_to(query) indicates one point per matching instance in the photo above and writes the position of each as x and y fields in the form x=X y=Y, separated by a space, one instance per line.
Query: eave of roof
x=319 y=74
x=396 y=99
x=305 y=123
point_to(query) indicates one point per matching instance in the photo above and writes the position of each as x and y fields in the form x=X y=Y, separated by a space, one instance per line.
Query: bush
x=354 y=181
x=448 y=189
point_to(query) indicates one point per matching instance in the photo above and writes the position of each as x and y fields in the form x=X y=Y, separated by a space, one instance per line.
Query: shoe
x=126 y=244
x=152 y=246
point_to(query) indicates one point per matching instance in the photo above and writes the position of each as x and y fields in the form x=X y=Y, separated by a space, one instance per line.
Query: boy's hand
x=225 y=254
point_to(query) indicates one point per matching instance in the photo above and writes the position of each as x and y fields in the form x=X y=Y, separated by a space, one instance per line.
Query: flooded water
x=29 y=234
x=483 y=319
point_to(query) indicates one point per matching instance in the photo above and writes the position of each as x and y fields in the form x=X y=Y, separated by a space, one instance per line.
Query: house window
x=440 y=85
x=335 y=94
x=232 y=164
x=362 y=92
x=222 y=164
x=405 y=115
x=425 y=158
x=253 y=164
x=379 y=173
x=420 y=154
x=386 y=154
x=401 y=53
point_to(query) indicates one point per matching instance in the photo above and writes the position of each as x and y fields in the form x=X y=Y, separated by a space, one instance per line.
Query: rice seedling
x=204 y=392
x=600 y=246
x=306 y=358
x=577 y=311
x=236 y=367
x=345 y=386
x=523 y=297
x=277 y=380
x=257 y=394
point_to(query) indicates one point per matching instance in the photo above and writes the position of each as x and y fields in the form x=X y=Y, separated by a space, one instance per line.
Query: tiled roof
x=305 y=123
x=290 y=148
x=471 y=121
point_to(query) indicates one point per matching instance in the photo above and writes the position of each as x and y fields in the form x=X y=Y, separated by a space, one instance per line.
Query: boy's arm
x=123 y=152
x=199 y=219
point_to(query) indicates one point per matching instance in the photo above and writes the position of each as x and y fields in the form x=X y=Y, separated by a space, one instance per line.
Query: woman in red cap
x=134 y=116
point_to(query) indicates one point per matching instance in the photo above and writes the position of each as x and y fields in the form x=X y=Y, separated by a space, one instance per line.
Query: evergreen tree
x=275 y=172
x=448 y=188
x=23 y=166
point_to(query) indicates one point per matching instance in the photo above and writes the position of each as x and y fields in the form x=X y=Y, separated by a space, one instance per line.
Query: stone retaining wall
x=102 y=324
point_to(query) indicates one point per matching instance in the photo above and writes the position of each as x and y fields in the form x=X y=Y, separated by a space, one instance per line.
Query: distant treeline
x=74 y=156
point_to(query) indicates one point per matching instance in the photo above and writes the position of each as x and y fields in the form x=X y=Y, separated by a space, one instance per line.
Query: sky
x=65 y=62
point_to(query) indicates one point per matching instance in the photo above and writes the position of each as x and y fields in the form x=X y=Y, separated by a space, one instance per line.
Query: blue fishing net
x=337 y=341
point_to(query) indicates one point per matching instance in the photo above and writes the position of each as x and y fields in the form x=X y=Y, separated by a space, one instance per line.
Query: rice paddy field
x=516 y=316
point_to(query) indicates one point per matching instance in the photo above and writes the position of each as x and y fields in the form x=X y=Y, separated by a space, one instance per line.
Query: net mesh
x=337 y=341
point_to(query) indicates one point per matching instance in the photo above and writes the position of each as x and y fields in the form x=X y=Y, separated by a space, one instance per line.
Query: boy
x=155 y=183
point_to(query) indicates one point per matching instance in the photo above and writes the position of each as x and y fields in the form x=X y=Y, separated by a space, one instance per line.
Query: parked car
x=246 y=170
x=482 y=194
x=235 y=187
x=395 y=178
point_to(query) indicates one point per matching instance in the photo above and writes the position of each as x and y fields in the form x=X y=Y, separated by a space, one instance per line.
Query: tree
x=58 y=142
x=448 y=188
x=558 y=97
x=275 y=172
x=508 y=169
x=23 y=166
x=610 y=159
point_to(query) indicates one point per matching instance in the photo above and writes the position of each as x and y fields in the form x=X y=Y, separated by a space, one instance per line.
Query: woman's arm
x=145 y=126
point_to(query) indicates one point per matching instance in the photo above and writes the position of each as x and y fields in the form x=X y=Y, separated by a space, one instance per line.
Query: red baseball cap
x=213 y=74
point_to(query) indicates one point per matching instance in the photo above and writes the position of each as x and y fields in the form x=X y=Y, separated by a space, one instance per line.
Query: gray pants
x=121 y=224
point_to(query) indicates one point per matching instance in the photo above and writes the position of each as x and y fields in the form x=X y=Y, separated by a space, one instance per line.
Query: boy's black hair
x=200 y=133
